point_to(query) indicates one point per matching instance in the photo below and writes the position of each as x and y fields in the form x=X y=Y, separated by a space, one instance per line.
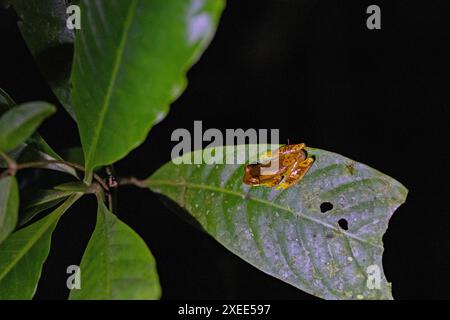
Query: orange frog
x=282 y=168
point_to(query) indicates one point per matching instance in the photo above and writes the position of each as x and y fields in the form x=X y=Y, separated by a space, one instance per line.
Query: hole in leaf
x=343 y=224
x=326 y=206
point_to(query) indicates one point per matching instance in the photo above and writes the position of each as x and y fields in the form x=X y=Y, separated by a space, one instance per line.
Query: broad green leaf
x=23 y=254
x=285 y=233
x=19 y=123
x=43 y=27
x=117 y=265
x=9 y=206
x=130 y=62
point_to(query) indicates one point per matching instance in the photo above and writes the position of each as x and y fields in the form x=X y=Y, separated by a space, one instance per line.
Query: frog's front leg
x=296 y=173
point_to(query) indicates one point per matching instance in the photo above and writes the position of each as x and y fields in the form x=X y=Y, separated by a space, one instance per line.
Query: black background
x=312 y=69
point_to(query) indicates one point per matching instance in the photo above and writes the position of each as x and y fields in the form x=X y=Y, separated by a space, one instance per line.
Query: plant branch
x=14 y=167
x=132 y=181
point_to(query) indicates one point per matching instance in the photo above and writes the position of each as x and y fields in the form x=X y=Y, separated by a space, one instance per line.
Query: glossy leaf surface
x=130 y=62
x=297 y=235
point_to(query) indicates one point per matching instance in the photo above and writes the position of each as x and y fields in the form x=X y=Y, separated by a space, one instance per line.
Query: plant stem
x=14 y=167
x=111 y=172
x=132 y=181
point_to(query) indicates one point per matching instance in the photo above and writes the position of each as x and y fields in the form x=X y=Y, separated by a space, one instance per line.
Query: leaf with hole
x=130 y=62
x=23 y=254
x=285 y=233
x=9 y=206
x=117 y=265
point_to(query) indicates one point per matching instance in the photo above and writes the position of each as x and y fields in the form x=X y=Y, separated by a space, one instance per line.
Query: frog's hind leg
x=296 y=173
x=271 y=182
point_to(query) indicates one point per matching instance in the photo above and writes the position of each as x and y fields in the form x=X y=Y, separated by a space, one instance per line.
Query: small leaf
x=117 y=265
x=23 y=254
x=37 y=201
x=43 y=27
x=19 y=123
x=6 y=103
x=130 y=62
x=35 y=148
x=9 y=206
x=285 y=233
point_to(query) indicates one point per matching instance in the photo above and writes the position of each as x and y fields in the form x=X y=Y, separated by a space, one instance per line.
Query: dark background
x=312 y=69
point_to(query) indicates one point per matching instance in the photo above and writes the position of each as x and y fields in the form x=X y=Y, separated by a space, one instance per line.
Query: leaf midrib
x=103 y=110
x=259 y=200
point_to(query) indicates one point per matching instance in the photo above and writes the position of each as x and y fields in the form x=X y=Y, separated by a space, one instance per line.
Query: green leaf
x=73 y=186
x=35 y=148
x=9 y=206
x=130 y=63
x=37 y=201
x=6 y=103
x=284 y=233
x=19 y=123
x=43 y=27
x=117 y=265
x=23 y=254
